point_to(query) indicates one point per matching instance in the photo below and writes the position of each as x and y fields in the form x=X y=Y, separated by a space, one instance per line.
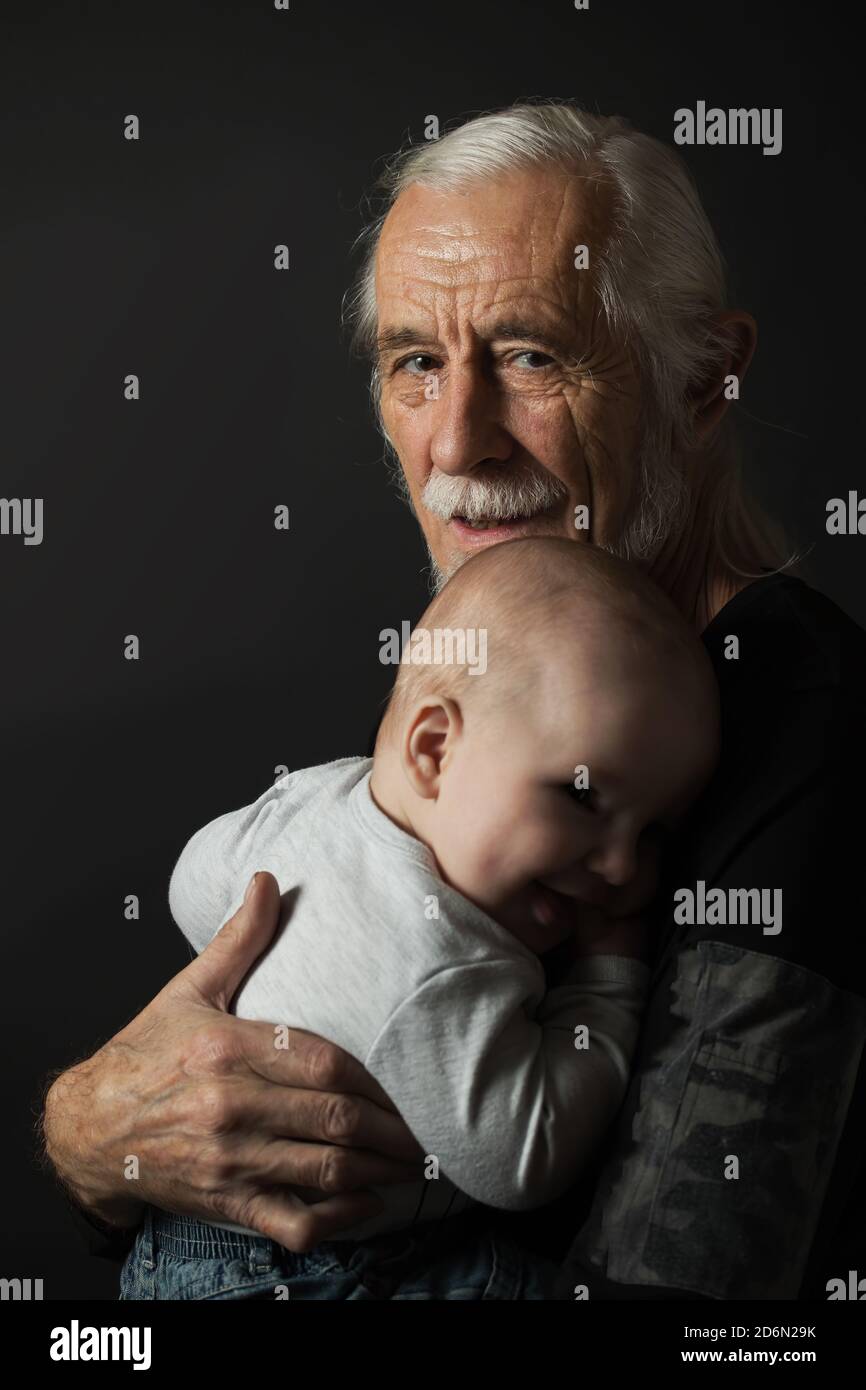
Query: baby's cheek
x=475 y=851
x=555 y=849
x=496 y=860
x=505 y=842
x=529 y=851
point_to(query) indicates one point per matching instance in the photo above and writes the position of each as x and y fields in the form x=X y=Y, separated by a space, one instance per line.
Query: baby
x=500 y=817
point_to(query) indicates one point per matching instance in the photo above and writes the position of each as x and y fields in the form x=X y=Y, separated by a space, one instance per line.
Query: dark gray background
x=260 y=648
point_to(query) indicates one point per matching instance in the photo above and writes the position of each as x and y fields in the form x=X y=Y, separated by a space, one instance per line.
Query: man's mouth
x=490 y=523
x=469 y=529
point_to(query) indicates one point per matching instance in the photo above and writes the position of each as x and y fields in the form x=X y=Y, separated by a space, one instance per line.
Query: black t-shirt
x=735 y=1169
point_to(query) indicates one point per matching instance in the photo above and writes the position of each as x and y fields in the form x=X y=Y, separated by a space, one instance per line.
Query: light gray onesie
x=507 y=1088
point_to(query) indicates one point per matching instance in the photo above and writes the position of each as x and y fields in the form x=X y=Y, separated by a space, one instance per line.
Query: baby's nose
x=614 y=861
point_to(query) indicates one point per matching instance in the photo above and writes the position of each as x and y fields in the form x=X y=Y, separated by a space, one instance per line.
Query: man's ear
x=431 y=731
x=709 y=401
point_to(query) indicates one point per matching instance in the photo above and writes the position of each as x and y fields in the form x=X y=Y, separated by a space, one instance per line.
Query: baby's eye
x=584 y=796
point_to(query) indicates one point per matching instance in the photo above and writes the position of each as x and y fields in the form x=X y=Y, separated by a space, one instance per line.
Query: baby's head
x=533 y=772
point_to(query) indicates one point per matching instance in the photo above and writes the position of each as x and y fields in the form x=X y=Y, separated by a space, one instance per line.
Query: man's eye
x=532 y=352
x=416 y=357
x=584 y=796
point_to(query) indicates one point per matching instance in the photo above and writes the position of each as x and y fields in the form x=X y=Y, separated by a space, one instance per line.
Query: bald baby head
x=530 y=620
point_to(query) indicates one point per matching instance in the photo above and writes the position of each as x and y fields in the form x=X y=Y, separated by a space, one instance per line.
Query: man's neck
x=697 y=588
x=700 y=598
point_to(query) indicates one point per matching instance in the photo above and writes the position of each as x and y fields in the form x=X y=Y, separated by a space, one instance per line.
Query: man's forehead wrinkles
x=519 y=307
x=442 y=294
x=416 y=282
x=444 y=263
x=429 y=240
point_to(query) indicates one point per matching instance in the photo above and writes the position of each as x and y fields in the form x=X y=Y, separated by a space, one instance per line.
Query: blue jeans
x=176 y=1257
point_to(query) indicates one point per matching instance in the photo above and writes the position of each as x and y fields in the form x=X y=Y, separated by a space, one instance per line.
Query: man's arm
x=100 y=1238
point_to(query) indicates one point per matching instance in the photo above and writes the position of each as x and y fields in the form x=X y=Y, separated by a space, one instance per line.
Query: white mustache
x=480 y=499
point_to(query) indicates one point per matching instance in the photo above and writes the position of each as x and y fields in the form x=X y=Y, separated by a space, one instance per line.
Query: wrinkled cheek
x=407 y=431
x=545 y=426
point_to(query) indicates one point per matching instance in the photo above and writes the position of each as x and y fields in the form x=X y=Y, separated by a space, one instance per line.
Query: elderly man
x=544 y=302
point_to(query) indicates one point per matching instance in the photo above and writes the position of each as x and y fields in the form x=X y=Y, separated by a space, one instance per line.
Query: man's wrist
x=109 y=1212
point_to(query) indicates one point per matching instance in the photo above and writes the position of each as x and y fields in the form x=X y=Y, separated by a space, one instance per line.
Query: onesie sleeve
x=512 y=1100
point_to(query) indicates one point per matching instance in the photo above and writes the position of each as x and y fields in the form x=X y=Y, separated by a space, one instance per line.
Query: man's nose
x=467 y=428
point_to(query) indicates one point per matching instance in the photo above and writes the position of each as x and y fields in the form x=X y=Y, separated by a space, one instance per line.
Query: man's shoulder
x=776 y=820
x=781 y=633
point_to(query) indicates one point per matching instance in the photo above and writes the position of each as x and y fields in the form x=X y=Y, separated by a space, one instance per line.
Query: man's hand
x=222 y=1122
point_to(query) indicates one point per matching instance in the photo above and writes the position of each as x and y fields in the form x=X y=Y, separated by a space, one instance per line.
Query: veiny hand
x=224 y=1123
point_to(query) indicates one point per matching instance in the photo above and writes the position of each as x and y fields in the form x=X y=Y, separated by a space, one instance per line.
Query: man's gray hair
x=660 y=279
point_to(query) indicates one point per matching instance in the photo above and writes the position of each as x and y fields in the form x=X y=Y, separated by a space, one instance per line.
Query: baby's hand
x=600 y=934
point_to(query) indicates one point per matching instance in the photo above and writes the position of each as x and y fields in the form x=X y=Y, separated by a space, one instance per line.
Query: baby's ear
x=432 y=728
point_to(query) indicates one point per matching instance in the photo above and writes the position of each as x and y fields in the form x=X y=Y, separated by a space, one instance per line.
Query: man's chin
x=438 y=575
x=443 y=569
